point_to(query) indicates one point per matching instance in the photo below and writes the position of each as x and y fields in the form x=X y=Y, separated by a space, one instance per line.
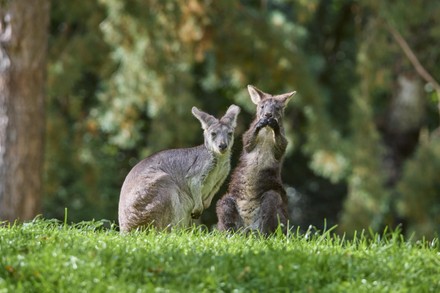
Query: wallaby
x=171 y=187
x=256 y=199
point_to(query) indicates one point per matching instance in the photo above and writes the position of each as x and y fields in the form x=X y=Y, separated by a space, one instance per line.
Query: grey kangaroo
x=170 y=187
x=256 y=199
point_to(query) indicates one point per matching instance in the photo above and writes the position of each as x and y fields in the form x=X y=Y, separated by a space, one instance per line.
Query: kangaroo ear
x=205 y=119
x=285 y=98
x=256 y=94
x=231 y=115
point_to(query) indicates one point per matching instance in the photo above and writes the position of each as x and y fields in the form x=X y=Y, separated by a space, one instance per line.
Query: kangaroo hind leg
x=228 y=217
x=273 y=213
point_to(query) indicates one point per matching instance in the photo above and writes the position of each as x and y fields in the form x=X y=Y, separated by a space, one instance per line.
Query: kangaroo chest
x=262 y=156
x=214 y=178
x=254 y=162
x=259 y=159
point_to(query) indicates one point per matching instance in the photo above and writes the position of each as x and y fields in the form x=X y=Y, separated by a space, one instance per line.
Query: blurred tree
x=23 y=46
x=147 y=101
x=420 y=189
x=81 y=168
x=394 y=109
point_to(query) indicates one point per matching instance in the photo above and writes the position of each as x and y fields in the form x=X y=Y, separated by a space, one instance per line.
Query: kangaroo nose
x=268 y=115
x=222 y=146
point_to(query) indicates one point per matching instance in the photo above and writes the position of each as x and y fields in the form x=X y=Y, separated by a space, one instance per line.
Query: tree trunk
x=23 y=48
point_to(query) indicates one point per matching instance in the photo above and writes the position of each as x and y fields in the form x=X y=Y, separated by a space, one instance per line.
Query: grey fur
x=171 y=187
x=256 y=199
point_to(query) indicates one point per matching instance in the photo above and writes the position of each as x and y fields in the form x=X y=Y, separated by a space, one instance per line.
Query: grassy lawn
x=48 y=256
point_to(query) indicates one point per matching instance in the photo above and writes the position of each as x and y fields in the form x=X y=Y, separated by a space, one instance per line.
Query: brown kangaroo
x=256 y=199
x=171 y=187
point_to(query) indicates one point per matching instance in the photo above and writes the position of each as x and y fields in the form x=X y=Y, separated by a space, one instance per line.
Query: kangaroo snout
x=222 y=146
x=268 y=115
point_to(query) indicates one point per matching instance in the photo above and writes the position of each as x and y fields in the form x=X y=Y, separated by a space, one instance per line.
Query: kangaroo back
x=173 y=186
x=256 y=199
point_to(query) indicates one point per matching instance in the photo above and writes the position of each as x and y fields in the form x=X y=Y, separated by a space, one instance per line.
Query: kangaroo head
x=218 y=133
x=269 y=106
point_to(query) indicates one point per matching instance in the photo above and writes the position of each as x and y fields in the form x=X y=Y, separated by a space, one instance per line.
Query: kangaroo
x=256 y=199
x=172 y=187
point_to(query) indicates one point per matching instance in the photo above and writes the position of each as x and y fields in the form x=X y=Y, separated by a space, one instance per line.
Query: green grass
x=48 y=256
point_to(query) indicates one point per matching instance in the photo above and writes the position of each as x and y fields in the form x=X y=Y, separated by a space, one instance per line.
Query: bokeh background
x=364 y=149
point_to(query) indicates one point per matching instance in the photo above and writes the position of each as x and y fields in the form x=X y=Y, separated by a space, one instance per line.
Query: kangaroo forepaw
x=261 y=123
x=273 y=123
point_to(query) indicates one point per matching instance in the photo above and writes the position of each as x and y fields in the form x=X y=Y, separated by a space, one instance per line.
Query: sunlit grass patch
x=48 y=256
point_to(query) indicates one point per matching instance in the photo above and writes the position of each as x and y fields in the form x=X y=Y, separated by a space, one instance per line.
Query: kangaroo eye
x=213 y=134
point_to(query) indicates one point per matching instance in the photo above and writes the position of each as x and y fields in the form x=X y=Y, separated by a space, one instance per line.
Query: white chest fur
x=215 y=178
x=204 y=187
